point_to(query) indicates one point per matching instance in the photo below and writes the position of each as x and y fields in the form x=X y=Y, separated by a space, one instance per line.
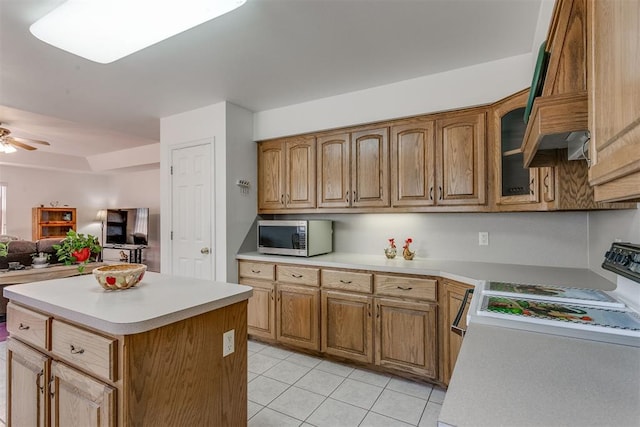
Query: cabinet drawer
x=298 y=275
x=405 y=287
x=85 y=349
x=28 y=325
x=257 y=270
x=347 y=280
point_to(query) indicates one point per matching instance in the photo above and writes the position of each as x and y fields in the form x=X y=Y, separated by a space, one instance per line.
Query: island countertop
x=158 y=300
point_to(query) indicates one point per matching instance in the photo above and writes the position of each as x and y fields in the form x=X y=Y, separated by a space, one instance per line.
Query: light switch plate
x=483 y=238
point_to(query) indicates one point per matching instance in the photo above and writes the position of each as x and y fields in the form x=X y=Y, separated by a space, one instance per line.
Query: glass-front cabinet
x=515 y=184
x=52 y=222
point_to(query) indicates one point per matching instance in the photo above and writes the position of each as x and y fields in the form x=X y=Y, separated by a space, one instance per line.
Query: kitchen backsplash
x=549 y=238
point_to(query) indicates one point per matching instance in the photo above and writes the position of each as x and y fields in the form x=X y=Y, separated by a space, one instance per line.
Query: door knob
x=204 y=251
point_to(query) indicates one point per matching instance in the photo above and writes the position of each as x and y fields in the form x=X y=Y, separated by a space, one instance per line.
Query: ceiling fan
x=9 y=143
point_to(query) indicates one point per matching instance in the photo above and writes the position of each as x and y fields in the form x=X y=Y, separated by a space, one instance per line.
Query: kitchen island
x=150 y=355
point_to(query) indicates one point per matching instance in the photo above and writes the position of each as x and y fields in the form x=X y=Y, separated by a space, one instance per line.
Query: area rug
x=3 y=331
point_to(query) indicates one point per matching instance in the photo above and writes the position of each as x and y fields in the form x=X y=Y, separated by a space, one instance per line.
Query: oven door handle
x=454 y=326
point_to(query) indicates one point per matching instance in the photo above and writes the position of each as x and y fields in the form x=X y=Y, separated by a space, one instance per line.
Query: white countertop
x=462 y=271
x=156 y=301
x=507 y=377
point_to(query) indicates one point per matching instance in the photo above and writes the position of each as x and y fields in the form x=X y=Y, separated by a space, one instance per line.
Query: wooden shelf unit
x=52 y=222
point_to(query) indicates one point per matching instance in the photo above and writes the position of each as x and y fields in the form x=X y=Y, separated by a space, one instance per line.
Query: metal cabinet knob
x=204 y=251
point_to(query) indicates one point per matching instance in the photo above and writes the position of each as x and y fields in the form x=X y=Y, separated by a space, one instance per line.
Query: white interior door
x=191 y=219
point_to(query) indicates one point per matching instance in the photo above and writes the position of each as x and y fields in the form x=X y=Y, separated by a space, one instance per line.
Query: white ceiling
x=267 y=54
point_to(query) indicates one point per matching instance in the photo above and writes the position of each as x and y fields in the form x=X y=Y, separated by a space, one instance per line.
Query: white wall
x=536 y=238
x=241 y=163
x=203 y=125
x=228 y=127
x=138 y=190
x=88 y=193
x=29 y=187
x=464 y=87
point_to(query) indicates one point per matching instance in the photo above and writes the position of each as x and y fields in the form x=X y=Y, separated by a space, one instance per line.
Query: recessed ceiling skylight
x=107 y=30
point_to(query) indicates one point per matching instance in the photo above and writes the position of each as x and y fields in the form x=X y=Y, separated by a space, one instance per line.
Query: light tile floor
x=292 y=389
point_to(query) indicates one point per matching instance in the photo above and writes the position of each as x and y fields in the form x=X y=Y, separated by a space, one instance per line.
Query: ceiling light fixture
x=107 y=30
x=6 y=148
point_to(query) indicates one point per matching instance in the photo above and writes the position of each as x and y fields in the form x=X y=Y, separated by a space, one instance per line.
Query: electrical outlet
x=483 y=238
x=228 y=342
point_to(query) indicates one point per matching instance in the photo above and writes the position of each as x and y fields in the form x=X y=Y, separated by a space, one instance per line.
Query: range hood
x=556 y=122
x=559 y=116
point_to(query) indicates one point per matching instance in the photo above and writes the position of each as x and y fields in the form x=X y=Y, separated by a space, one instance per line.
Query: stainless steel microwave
x=297 y=238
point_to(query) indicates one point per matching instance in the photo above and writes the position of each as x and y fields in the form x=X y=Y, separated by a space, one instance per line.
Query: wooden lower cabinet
x=79 y=400
x=406 y=336
x=261 y=309
x=27 y=373
x=347 y=327
x=451 y=300
x=384 y=319
x=297 y=316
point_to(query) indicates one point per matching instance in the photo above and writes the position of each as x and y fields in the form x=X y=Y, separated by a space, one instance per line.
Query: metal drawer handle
x=405 y=289
x=255 y=271
x=454 y=327
x=346 y=282
x=75 y=350
x=297 y=276
x=23 y=327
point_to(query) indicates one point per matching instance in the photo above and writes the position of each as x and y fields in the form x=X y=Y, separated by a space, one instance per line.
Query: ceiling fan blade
x=12 y=141
x=31 y=141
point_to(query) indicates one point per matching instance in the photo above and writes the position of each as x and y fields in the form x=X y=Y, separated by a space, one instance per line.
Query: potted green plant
x=4 y=249
x=77 y=248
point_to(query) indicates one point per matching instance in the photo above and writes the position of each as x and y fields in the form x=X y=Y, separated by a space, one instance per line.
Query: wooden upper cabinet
x=370 y=168
x=515 y=187
x=413 y=163
x=333 y=173
x=271 y=170
x=614 y=98
x=300 y=188
x=460 y=149
x=287 y=174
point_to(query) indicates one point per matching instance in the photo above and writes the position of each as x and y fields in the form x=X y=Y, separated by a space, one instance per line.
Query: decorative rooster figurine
x=406 y=252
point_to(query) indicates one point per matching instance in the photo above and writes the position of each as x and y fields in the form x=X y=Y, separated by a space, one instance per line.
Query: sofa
x=22 y=250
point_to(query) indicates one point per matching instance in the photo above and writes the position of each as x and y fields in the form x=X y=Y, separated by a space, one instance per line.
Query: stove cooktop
x=575 y=312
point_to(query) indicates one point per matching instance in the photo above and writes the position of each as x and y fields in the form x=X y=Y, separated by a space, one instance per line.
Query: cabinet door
x=347 y=326
x=261 y=309
x=406 y=336
x=301 y=173
x=460 y=148
x=333 y=174
x=453 y=296
x=297 y=316
x=413 y=163
x=614 y=94
x=515 y=186
x=271 y=175
x=370 y=168
x=27 y=373
x=79 y=400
